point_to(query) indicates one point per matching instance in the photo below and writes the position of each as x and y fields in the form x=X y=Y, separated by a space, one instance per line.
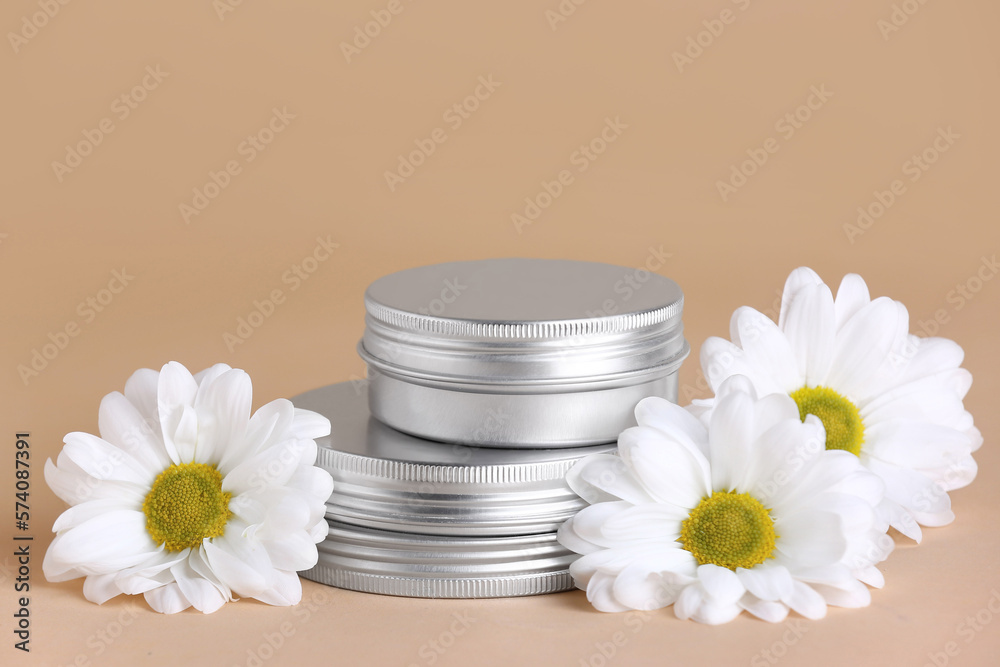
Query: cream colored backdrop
x=170 y=169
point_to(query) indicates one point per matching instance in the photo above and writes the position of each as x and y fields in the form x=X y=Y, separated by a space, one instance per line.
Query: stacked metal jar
x=487 y=381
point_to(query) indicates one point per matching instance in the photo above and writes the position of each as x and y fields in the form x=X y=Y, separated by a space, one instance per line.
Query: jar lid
x=434 y=566
x=517 y=321
x=386 y=479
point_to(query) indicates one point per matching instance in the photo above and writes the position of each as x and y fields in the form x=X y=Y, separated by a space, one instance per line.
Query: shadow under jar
x=533 y=353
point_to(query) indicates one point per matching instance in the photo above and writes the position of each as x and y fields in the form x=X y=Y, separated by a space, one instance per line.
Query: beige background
x=323 y=176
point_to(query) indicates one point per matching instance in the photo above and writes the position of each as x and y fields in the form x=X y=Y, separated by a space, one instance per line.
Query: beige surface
x=882 y=99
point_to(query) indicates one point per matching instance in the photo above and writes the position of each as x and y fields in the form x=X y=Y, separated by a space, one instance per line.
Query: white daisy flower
x=188 y=499
x=889 y=397
x=742 y=510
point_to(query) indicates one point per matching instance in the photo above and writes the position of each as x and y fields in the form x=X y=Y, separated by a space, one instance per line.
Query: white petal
x=852 y=296
x=104 y=461
x=641 y=585
x=273 y=466
x=721 y=359
x=810 y=538
x=106 y=543
x=89 y=509
x=806 y=601
x=588 y=524
x=909 y=488
x=730 y=436
x=780 y=454
x=285 y=590
x=766 y=582
x=600 y=593
x=140 y=390
x=203 y=595
x=932 y=356
x=936 y=399
x=799 y=279
x=310 y=425
x=571 y=539
x=99 y=588
x=652 y=520
x=693 y=604
x=167 y=599
x=210 y=373
x=672 y=420
x=75 y=486
x=809 y=323
x=269 y=425
x=176 y=389
x=768 y=351
x=222 y=406
x=605 y=477
x=721 y=585
x=667 y=469
x=866 y=350
x=852 y=594
x=239 y=563
x=121 y=424
x=772 y=612
x=916 y=444
x=294 y=553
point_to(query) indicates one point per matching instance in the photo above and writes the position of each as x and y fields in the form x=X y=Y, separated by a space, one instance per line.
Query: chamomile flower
x=743 y=509
x=891 y=398
x=186 y=497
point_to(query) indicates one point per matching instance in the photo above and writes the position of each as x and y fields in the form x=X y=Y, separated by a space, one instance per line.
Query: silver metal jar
x=520 y=352
x=378 y=561
x=392 y=481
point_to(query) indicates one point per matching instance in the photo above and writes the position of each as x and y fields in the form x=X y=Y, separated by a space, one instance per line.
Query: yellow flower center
x=840 y=417
x=729 y=529
x=186 y=505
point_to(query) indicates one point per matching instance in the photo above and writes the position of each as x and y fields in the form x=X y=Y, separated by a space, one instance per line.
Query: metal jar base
x=511 y=420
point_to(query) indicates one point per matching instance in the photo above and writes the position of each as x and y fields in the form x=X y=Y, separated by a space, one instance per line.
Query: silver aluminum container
x=520 y=352
x=389 y=480
x=375 y=561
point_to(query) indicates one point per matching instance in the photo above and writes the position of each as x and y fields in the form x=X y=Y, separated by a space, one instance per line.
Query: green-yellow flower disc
x=730 y=530
x=840 y=417
x=186 y=505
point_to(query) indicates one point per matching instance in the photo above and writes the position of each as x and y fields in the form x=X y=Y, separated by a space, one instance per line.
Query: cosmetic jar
x=389 y=480
x=436 y=566
x=421 y=518
x=520 y=353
